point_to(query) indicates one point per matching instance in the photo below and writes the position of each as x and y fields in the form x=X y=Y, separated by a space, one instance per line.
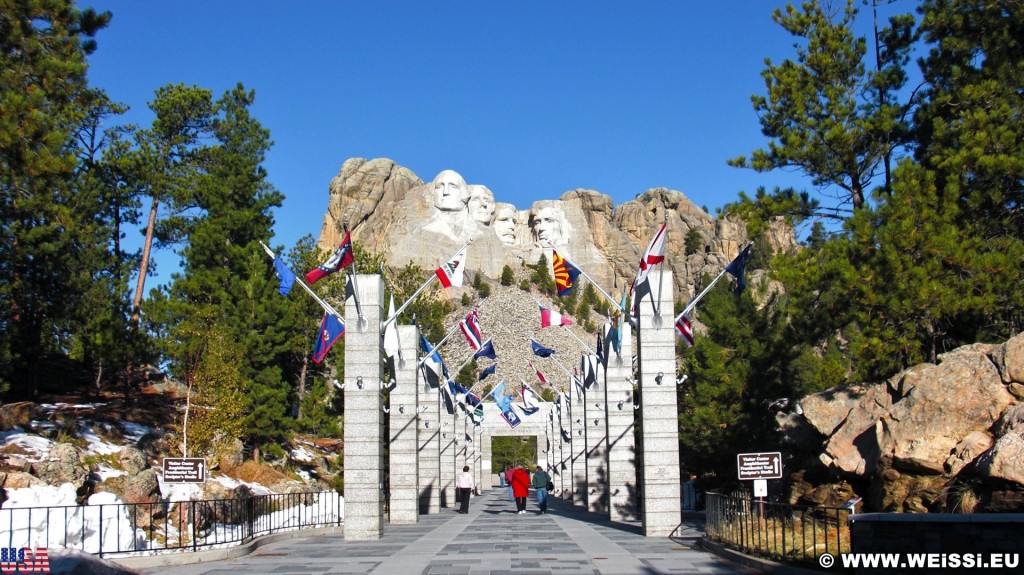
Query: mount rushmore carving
x=391 y=210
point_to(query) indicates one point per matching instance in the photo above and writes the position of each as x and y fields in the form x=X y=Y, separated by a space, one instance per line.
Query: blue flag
x=539 y=350
x=434 y=370
x=503 y=401
x=488 y=371
x=331 y=329
x=486 y=350
x=737 y=267
x=285 y=276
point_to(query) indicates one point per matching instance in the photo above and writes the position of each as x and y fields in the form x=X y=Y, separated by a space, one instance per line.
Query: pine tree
x=43 y=93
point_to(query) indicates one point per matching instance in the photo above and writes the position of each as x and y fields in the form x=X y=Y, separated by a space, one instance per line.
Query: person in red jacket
x=520 y=488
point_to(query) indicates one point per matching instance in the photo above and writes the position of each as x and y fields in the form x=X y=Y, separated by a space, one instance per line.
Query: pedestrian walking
x=540 y=485
x=501 y=478
x=464 y=485
x=508 y=479
x=520 y=488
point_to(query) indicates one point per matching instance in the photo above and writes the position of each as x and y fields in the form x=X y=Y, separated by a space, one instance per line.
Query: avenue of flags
x=452 y=272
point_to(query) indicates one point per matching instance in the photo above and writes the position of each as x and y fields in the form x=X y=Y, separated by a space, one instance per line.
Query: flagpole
x=361 y=322
x=661 y=277
x=577 y=338
x=590 y=279
x=413 y=296
x=327 y=307
x=693 y=302
x=437 y=346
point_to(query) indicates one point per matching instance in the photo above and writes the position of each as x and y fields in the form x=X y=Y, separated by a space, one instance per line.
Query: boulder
x=854 y=448
x=132 y=460
x=62 y=466
x=940 y=407
x=969 y=449
x=21 y=480
x=827 y=410
x=18 y=414
x=1009 y=358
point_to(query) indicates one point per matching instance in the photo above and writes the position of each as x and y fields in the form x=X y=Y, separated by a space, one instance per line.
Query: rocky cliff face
x=938 y=437
x=393 y=211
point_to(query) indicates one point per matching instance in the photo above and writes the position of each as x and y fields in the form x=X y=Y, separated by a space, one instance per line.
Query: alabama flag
x=654 y=255
x=550 y=317
x=452 y=271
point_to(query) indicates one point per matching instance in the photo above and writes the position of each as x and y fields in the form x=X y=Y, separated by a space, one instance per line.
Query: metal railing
x=148 y=528
x=789 y=533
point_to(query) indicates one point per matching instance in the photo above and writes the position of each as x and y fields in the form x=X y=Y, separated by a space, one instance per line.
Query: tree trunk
x=144 y=264
x=302 y=384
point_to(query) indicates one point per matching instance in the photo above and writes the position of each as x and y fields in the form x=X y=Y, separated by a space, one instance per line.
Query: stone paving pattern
x=491 y=539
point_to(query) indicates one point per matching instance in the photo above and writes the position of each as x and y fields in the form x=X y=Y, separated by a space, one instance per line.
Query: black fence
x=148 y=528
x=789 y=533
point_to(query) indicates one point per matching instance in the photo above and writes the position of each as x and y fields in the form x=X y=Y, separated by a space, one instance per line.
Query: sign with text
x=184 y=470
x=759 y=465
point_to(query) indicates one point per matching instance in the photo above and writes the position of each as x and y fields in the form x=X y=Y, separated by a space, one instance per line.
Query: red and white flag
x=540 y=376
x=471 y=329
x=340 y=259
x=550 y=317
x=684 y=330
x=452 y=272
x=654 y=255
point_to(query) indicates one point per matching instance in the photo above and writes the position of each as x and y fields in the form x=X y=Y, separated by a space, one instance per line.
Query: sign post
x=759 y=467
x=184 y=470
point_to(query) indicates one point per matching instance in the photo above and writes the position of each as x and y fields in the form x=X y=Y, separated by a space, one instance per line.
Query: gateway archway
x=587 y=444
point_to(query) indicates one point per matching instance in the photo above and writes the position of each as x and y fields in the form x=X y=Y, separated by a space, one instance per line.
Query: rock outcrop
x=926 y=433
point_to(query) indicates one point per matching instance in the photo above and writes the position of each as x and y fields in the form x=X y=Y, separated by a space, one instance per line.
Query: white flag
x=391 y=343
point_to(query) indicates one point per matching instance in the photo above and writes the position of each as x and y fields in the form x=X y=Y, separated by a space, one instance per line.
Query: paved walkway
x=491 y=539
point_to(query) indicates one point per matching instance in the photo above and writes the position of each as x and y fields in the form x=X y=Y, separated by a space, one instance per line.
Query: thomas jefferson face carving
x=481 y=205
x=547 y=223
x=505 y=223
x=450 y=192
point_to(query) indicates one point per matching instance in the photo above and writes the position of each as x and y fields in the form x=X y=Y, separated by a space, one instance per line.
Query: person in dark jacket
x=540 y=485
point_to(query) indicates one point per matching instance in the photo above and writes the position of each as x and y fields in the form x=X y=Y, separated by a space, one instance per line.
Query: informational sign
x=759 y=465
x=184 y=470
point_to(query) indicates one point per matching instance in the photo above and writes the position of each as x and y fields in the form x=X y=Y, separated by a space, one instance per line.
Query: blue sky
x=528 y=98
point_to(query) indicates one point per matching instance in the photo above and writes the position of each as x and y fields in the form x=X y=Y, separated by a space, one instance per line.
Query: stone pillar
x=597 y=446
x=578 y=419
x=564 y=467
x=364 y=421
x=659 y=450
x=404 y=466
x=429 y=432
x=485 y=448
x=481 y=478
x=622 y=486
x=448 y=459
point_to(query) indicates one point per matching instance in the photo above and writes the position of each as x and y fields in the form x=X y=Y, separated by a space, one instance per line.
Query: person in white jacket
x=464 y=486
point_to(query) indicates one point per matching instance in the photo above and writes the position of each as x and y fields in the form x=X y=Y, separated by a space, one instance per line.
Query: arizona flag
x=331 y=329
x=452 y=272
x=654 y=255
x=550 y=317
x=341 y=258
x=684 y=330
x=565 y=273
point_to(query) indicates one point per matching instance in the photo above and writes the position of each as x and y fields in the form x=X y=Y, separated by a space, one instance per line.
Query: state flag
x=331 y=328
x=488 y=371
x=684 y=330
x=433 y=369
x=564 y=272
x=540 y=376
x=737 y=267
x=550 y=317
x=452 y=272
x=285 y=277
x=652 y=256
x=539 y=350
x=470 y=327
x=486 y=350
x=340 y=259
